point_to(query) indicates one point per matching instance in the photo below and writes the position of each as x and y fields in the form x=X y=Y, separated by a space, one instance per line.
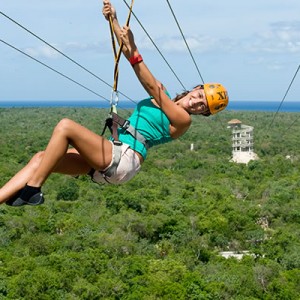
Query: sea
x=267 y=106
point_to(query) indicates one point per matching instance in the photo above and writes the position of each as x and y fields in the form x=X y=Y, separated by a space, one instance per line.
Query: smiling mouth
x=200 y=107
x=203 y=108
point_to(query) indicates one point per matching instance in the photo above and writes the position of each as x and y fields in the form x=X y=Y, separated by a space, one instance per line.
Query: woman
x=155 y=120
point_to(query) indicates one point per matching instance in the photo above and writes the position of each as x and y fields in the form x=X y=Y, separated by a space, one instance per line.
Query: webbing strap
x=111 y=121
x=129 y=128
x=117 y=153
x=113 y=128
x=114 y=125
x=116 y=160
x=118 y=55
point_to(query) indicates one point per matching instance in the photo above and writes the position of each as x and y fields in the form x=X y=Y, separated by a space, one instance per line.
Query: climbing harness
x=114 y=121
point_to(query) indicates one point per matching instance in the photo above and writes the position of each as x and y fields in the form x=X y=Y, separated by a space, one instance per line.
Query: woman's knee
x=64 y=125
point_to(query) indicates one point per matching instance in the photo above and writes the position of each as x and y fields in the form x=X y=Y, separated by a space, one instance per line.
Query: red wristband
x=135 y=59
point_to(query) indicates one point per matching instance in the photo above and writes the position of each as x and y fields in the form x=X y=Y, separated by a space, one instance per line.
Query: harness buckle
x=118 y=143
x=126 y=124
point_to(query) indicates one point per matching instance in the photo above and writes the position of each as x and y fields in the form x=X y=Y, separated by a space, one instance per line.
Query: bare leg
x=95 y=152
x=20 y=179
x=94 y=149
x=71 y=164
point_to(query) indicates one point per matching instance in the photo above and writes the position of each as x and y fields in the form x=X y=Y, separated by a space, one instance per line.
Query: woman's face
x=195 y=102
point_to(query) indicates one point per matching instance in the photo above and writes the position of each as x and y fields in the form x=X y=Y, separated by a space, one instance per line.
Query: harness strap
x=125 y=124
x=112 y=125
x=114 y=129
x=118 y=54
x=112 y=169
x=116 y=160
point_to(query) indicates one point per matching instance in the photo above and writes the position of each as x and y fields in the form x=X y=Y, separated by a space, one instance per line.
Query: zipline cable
x=52 y=69
x=152 y=41
x=185 y=41
x=285 y=95
x=217 y=117
x=60 y=52
x=82 y=67
x=58 y=72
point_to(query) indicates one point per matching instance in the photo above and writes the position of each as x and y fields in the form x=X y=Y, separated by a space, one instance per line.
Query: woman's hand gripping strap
x=117 y=55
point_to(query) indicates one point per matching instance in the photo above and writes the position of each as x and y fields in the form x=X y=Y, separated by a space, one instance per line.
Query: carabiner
x=114 y=98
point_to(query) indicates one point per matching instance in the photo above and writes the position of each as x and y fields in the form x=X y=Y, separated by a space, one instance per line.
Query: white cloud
x=197 y=44
x=283 y=37
x=86 y=47
x=280 y=38
x=41 y=51
x=251 y=37
x=46 y=51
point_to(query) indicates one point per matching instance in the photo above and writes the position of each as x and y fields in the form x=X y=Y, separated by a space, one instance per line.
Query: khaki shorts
x=128 y=167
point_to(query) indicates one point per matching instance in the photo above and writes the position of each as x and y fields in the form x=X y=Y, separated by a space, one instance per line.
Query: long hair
x=179 y=96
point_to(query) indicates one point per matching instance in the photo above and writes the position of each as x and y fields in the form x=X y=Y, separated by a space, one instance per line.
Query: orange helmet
x=216 y=96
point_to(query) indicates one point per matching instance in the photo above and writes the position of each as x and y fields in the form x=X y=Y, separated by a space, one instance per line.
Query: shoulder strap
x=125 y=124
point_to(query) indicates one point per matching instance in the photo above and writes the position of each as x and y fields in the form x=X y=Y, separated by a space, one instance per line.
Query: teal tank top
x=151 y=122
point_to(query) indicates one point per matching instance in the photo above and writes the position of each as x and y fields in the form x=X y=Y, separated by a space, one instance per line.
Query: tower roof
x=234 y=121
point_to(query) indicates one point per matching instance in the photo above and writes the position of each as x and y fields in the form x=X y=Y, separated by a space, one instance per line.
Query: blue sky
x=252 y=47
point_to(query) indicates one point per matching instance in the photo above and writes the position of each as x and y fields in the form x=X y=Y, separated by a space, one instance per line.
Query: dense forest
x=160 y=235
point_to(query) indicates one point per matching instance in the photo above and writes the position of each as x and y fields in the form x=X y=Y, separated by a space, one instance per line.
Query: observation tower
x=242 y=142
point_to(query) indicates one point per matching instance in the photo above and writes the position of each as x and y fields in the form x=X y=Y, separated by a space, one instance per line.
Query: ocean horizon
x=267 y=106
